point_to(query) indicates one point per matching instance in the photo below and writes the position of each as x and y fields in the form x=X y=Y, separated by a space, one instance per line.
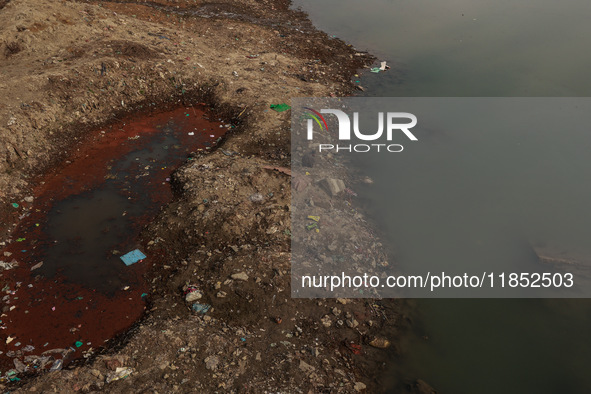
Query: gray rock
x=193 y=296
x=332 y=186
x=257 y=197
x=18 y=365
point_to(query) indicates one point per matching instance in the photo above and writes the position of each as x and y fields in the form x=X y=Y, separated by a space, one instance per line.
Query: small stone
x=339 y=371
x=326 y=321
x=29 y=199
x=257 y=197
x=332 y=186
x=18 y=365
x=304 y=366
x=352 y=323
x=359 y=386
x=211 y=362
x=193 y=296
x=221 y=294
x=240 y=276
x=97 y=374
x=380 y=343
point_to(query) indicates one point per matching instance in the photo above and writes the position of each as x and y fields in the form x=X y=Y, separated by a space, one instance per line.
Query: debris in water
x=8 y=266
x=133 y=257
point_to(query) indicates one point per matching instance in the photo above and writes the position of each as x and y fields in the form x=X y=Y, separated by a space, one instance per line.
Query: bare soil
x=68 y=67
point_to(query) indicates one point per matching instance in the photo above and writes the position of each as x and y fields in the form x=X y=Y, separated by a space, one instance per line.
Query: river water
x=464 y=48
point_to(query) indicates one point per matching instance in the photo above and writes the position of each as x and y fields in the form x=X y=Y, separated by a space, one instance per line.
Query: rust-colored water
x=87 y=213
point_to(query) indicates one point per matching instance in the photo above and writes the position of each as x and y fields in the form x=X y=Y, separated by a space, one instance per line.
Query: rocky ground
x=70 y=66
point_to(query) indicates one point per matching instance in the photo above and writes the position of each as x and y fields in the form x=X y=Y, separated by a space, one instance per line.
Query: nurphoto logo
x=391 y=119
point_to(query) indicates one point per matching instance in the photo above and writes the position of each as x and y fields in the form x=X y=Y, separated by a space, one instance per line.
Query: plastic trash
x=133 y=257
x=201 y=308
x=280 y=107
x=119 y=373
x=57 y=365
x=312 y=226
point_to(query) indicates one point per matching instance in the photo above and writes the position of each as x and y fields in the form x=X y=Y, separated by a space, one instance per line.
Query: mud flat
x=70 y=67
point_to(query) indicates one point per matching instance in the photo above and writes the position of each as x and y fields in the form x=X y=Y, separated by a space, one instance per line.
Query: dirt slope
x=66 y=67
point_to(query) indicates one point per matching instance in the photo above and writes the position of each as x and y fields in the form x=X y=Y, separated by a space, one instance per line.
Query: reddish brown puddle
x=65 y=288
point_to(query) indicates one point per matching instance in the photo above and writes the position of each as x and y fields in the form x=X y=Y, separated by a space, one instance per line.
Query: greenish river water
x=488 y=48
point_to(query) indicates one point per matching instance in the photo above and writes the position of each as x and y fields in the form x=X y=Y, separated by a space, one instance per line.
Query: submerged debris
x=133 y=257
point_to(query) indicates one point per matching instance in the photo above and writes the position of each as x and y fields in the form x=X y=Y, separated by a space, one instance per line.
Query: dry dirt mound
x=68 y=66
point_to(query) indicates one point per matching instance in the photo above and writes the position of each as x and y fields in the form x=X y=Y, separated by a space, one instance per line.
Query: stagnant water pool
x=65 y=287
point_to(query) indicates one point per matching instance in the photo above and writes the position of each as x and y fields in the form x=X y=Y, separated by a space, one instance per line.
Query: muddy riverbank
x=69 y=67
